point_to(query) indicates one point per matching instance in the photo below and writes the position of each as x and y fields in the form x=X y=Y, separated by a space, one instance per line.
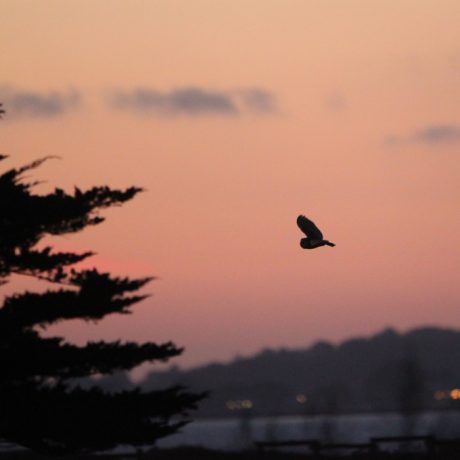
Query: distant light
x=239 y=404
x=246 y=404
x=231 y=405
x=455 y=393
x=301 y=398
x=440 y=395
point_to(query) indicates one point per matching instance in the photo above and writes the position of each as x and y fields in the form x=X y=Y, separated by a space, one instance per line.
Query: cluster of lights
x=239 y=404
x=448 y=394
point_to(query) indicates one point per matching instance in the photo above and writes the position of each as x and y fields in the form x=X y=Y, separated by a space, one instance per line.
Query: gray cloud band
x=192 y=101
x=430 y=135
x=438 y=134
x=185 y=101
x=30 y=104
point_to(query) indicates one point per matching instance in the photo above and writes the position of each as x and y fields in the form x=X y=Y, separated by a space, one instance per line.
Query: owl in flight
x=314 y=237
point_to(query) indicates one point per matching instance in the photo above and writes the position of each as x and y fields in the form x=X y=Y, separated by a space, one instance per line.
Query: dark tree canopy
x=40 y=406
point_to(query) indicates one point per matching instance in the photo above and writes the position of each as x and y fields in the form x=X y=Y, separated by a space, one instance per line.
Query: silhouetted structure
x=410 y=392
x=360 y=375
x=314 y=237
x=39 y=408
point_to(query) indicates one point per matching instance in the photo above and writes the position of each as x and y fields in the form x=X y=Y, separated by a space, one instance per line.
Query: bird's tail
x=329 y=243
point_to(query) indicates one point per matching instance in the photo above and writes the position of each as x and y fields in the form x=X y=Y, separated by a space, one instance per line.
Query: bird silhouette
x=314 y=237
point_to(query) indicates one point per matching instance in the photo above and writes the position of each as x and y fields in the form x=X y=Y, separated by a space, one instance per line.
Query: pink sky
x=357 y=125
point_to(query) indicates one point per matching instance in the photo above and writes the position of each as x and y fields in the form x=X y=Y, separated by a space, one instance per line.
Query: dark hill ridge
x=388 y=371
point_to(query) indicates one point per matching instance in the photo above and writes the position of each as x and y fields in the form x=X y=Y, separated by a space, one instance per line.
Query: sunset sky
x=236 y=116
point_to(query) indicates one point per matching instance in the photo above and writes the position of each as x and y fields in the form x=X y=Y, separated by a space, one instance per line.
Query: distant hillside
x=389 y=371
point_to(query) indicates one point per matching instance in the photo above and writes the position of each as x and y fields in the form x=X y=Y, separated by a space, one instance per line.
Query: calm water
x=235 y=434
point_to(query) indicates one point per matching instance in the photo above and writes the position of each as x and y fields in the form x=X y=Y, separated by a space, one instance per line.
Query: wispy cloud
x=258 y=100
x=192 y=101
x=438 y=134
x=32 y=104
x=441 y=134
x=336 y=102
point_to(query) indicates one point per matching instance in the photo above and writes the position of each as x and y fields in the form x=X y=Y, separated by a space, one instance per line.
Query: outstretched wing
x=309 y=228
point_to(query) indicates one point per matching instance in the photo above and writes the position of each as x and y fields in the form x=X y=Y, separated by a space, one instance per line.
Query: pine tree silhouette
x=40 y=408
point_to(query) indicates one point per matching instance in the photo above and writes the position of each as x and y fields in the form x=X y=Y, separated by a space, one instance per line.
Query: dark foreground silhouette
x=314 y=237
x=194 y=453
x=41 y=408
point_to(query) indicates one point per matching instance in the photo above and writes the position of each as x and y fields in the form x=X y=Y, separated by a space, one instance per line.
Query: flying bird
x=314 y=237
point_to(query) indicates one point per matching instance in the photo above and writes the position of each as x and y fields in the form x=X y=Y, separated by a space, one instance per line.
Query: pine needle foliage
x=40 y=406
